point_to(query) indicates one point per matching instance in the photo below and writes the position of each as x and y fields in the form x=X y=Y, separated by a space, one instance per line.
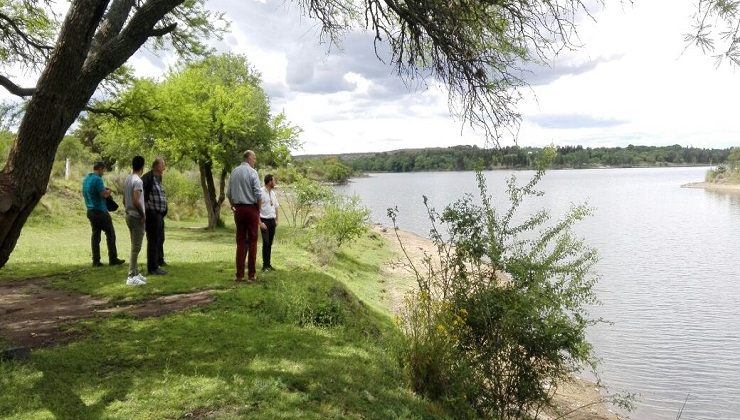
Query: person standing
x=133 y=199
x=269 y=219
x=244 y=197
x=156 y=210
x=95 y=193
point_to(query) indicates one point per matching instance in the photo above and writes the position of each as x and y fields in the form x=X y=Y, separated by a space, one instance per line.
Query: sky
x=632 y=82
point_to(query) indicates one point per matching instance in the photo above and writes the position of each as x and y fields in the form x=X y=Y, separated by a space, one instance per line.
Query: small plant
x=323 y=248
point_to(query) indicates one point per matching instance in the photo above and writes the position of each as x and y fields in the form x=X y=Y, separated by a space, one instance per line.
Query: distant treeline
x=465 y=158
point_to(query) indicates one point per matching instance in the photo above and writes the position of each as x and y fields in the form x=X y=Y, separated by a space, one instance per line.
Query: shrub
x=344 y=220
x=523 y=289
x=323 y=248
x=184 y=194
x=303 y=197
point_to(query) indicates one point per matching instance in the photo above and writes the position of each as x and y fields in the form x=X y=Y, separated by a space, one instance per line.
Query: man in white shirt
x=269 y=219
x=133 y=199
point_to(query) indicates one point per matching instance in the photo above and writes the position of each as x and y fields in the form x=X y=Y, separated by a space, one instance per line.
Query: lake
x=670 y=273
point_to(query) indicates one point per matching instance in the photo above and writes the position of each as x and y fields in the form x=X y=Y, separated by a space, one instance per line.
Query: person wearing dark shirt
x=156 y=210
x=95 y=193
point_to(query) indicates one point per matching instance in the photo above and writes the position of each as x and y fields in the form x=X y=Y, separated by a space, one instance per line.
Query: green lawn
x=306 y=342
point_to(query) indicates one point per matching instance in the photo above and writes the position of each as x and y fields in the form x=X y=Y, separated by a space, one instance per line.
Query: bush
x=523 y=289
x=303 y=197
x=344 y=220
x=429 y=349
x=323 y=248
x=184 y=194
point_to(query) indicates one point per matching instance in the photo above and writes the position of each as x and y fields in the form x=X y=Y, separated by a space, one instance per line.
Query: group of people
x=145 y=203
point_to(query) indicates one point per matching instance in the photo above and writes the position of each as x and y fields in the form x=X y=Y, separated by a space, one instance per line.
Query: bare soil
x=713 y=186
x=33 y=314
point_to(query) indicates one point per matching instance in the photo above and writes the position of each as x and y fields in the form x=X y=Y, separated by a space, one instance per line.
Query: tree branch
x=111 y=26
x=28 y=39
x=137 y=30
x=121 y=113
x=164 y=30
x=15 y=89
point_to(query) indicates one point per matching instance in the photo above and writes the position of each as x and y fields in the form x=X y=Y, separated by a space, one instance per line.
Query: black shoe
x=265 y=269
x=117 y=262
x=97 y=264
x=157 y=272
x=271 y=268
x=163 y=264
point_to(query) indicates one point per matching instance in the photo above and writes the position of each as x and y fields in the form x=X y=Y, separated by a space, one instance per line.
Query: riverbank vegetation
x=499 y=318
x=468 y=158
x=728 y=172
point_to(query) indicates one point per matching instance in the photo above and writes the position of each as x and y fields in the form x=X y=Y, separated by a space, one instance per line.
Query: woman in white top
x=269 y=219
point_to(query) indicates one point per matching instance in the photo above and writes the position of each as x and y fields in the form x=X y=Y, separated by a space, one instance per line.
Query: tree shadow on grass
x=238 y=357
x=243 y=356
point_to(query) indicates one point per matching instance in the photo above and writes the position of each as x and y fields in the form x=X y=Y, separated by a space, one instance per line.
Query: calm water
x=670 y=280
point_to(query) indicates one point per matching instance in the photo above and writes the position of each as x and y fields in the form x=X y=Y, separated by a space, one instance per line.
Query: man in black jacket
x=156 y=209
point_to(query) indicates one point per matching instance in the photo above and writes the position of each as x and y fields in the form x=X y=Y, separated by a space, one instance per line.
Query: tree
x=207 y=112
x=474 y=48
x=95 y=38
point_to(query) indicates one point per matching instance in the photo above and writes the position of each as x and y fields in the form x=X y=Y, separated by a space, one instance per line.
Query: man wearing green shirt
x=95 y=194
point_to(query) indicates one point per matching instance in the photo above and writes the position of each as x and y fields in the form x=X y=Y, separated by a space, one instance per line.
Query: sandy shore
x=581 y=399
x=711 y=186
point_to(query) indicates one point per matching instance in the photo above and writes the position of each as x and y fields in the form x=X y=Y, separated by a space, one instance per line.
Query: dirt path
x=33 y=315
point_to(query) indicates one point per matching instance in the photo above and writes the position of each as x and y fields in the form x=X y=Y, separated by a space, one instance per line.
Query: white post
x=66 y=169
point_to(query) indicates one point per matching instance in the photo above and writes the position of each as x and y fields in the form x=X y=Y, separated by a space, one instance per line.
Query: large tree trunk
x=67 y=83
x=213 y=206
x=60 y=95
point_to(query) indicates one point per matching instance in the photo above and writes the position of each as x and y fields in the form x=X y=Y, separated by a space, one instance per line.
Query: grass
x=307 y=342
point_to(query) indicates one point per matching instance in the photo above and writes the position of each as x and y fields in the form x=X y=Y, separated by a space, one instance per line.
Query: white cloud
x=631 y=82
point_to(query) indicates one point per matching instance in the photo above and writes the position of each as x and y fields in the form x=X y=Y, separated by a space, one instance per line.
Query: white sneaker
x=142 y=278
x=135 y=281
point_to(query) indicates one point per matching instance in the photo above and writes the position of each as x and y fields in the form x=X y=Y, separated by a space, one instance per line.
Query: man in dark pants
x=95 y=193
x=244 y=198
x=156 y=209
x=269 y=218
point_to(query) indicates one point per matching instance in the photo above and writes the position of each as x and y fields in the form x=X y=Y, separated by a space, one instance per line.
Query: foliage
x=344 y=219
x=6 y=140
x=520 y=288
x=717 y=28
x=468 y=158
x=206 y=112
x=71 y=148
x=728 y=172
x=303 y=197
x=323 y=248
x=184 y=195
x=329 y=169
x=430 y=353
